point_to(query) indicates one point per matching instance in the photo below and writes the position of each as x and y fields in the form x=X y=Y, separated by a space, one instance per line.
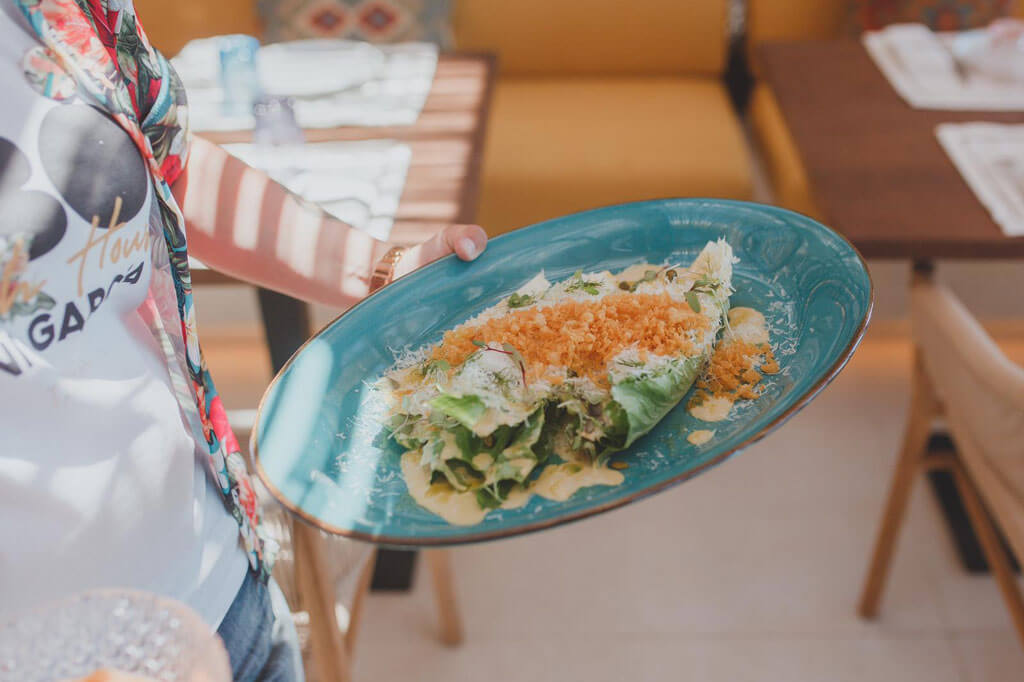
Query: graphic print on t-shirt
x=65 y=253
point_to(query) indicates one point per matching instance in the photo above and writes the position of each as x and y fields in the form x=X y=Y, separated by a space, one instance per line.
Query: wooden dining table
x=441 y=187
x=875 y=166
x=880 y=177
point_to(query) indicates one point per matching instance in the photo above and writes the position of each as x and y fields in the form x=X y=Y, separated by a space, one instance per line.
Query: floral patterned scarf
x=97 y=50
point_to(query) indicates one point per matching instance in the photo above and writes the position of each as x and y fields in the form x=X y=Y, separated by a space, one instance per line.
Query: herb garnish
x=439 y=365
x=506 y=349
x=578 y=283
x=703 y=285
x=520 y=300
x=650 y=276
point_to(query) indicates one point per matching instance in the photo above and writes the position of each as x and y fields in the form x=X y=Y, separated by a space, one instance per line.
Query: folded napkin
x=990 y=157
x=358 y=182
x=921 y=67
x=333 y=82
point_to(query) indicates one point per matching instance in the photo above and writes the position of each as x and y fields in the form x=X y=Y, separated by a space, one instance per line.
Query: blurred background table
x=880 y=177
x=442 y=187
x=876 y=169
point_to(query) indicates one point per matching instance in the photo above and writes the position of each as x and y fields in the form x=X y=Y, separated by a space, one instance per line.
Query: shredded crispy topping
x=735 y=370
x=583 y=336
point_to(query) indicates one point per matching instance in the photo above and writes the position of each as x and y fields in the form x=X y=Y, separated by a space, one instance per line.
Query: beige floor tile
x=608 y=658
x=972 y=602
x=990 y=658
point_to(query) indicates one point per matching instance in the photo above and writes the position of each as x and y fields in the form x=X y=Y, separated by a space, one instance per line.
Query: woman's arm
x=244 y=224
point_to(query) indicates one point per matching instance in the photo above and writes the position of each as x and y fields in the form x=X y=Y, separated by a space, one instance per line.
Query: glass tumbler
x=239 y=73
x=128 y=631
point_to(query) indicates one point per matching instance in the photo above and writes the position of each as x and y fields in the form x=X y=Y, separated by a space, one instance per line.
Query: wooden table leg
x=356 y=613
x=448 y=617
x=317 y=598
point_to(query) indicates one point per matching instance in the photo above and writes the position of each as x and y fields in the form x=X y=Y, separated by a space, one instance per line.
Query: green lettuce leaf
x=466 y=410
x=527 y=436
x=513 y=463
x=644 y=400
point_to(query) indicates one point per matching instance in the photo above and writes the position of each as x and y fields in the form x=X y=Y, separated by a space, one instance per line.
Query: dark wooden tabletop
x=447 y=140
x=876 y=169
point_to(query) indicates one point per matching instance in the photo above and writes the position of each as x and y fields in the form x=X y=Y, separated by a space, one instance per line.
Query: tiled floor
x=750 y=572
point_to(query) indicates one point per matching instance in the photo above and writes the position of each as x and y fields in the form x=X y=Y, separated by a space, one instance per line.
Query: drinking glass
x=125 y=630
x=239 y=73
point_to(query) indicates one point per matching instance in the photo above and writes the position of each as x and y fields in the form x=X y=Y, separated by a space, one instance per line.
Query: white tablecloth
x=990 y=157
x=921 y=68
x=358 y=182
x=333 y=82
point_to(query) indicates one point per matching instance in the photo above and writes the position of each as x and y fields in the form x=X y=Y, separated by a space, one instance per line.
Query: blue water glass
x=239 y=74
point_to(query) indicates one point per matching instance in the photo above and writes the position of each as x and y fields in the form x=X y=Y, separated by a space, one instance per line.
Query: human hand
x=465 y=241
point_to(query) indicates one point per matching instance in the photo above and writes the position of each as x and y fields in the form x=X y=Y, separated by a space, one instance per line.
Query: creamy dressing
x=559 y=482
x=700 y=437
x=556 y=482
x=458 y=509
x=748 y=325
x=483 y=461
x=713 y=409
x=517 y=497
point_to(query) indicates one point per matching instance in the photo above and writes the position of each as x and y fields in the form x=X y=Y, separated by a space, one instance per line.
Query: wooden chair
x=316 y=571
x=961 y=375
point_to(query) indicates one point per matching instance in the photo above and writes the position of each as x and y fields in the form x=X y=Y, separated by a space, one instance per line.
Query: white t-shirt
x=102 y=483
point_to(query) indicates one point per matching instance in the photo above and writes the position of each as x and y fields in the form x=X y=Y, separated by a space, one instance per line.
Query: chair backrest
x=172 y=23
x=983 y=395
x=596 y=37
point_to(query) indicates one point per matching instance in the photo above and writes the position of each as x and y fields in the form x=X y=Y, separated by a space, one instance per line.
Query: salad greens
x=481 y=427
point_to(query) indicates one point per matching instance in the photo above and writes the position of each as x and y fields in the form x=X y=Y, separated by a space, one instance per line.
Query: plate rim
x=534 y=526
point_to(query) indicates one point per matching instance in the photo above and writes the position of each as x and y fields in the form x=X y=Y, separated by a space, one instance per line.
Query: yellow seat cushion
x=172 y=23
x=779 y=154
x=557 y=146
x=596 y=37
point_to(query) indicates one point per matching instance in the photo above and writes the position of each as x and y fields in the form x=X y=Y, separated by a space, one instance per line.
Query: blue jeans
x=260 y=636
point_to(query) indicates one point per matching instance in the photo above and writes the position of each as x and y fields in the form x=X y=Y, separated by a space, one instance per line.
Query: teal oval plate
x=319 y=444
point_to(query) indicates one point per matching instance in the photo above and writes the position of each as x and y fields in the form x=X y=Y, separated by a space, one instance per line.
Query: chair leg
x=444 y=592
x=316 y=597
x=990 y=544
x=923 y=407
x=355 y=615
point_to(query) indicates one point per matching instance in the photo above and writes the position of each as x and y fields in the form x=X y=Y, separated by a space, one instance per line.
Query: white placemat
x=358 y=182
x=920 y=66
x=990 y=157
x=334 y=82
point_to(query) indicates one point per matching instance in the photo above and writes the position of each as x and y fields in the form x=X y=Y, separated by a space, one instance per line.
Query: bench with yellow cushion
x=603 y=101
